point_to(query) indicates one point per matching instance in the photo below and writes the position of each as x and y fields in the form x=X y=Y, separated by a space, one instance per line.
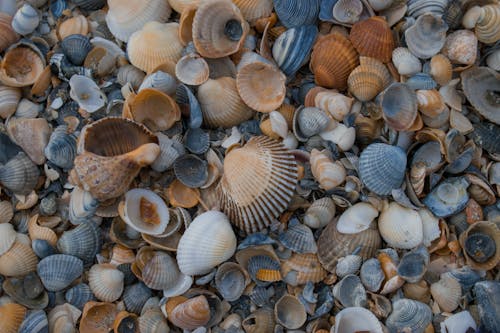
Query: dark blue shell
x=326 y=10
x=57 y=7
x=489 y=305
x=197 y=140
x=35 y=322
x=76 y=47
x=90 y=4
x=186 y=100
x=436 y=200
x=294 y=13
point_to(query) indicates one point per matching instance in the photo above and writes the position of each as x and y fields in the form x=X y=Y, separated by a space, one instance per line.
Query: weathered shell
x=9 y=100
x=382 y=168
x=106 y=282
x=26 y=20
x=61 y=148
x=7 y=238
x=485 y=292
x=350 y=291
x=6 y=212
x=338 y=105
x=461 y=47
x=7 y=35
x=373 y=38
x=12 y=316
x=479 y=85
x=346 y=11
x=22 y=64
x=418 y=7
x=28 y=109
x=448 y=198
x=327 y=173
x=263 y=269
x=82 y=206
x=77 y=24
x=275 y=126
x=98 y=317
x=297 y=13
x=79 y=295
x=481 y=245
x=356 y=319
x=298 y=238
x=427 y=36
x=20 y=174
x=63 y=318
x=192 y=69
x=399 y=106
x=400 y=235
x=485 y=24
x=447 y=292
x=405 y=62
x=35 y=322
x=410 y=315
x=290 y=312
x=356 y=218
x=39 y=232
x=161 y=272
x=31 y=134
x=132 y=74
x=191 y=171
x=59 y=270
x=83 y=242
x=371 y=275
x=86 y=93
x=348 y=265
x=413 y=264
x=204 y=246
x=320 y=213
x=430 y=102
x=170 y=150
x=261 y=320
x=191 y=313
x=368 y=79
x=302 y=268
x=440 y=69
x=153 y=321
x=309 y=121
x=76 y=47
x=231 y=280
x=459 y=322
x=255 y=9
x=190 y=105
x=90 y=4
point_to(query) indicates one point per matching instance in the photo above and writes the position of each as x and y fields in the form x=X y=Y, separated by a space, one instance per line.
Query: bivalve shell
x=356 y=319
x=190 y=314
x=461 y=47
x=405 y=62
x=400 y=227
x=76 y=47
x=448 y=198
x=231 y=280
x=409 y=315
x=59 y=270
x=294 y=13
x=460 y=322
x=357 y=218
x=35 y=322
x=372 y=275
x=350 y=292
x=447 y=292
x=86 y=93
x=427 y=36
x=485 y=292
x=300 y=269
x=9 y=100
x=11 y=317
x=253 y=10
x=83 y=242
x=20 y=174
x=106 y=282
x=320 y=213
x=290 y=312
x=161 y=273
x=21 y=65
x=478 y=84
x=26 y=20
x=61 y=148
x=481 y=245
x=486 y=27
x=373 y=38
x=298 y=238
x=7 y=35
x=328 y=174
x=31 y=134
x=399 y=106
x=368 y=79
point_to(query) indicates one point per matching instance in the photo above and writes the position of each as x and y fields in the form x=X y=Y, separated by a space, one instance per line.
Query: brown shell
x=302 y=268
x=430 y=102
x=21 y=66
x=287 y=111
x=310 y=99
x=191 y=314
x=333 y=245
x=490 y=229
x=126 y=322
x=98 y=317
x=368 y=79
x=373 y=38
x=186 y=24
x=19 y=260
x=11 y=317
x=332 y=60
x=36 y=231
x=7 y=35
x=441 y=69
x=179 y=195
x=75 y=25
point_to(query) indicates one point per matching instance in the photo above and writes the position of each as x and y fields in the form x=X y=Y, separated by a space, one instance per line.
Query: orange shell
x=430 y=102
x=126 y=322
x=98 y=317
x=11 y=317
x=75 y=25
x=253 y=10
x=332 y=60
x=304 y=268
x=191 y=314
x=180 y=195
x=268 y=275
x=310 y=99
x=373 y=38
x=21 y=66
x=287 y=111
x=186 y=24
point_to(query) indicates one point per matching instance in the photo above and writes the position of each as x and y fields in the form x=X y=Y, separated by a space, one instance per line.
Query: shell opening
x=148 y=212
x=233 y=30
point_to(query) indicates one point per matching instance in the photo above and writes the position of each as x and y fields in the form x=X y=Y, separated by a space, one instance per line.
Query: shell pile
x=249 y=166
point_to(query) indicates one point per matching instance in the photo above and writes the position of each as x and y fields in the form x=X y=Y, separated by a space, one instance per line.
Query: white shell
x=341 y=135
x=357 y=218
x=320 y=213
x=208 y=241
x=106 y=282
x=28 y=109
x=161 y=81
x=338 y=105
x=132 y=214
x=170 y=149
x=430 y=225
x=86 y=93
x=25 y=20
x=400 y=227
x=328 y=173
x=405 y=62
x=356 y=319
x=278 y=124
x=458 y=323
x=447 y=292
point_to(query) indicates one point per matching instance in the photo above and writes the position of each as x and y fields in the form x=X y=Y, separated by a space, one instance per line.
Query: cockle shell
x=328 y=173
x=9 y=100
x=448 y=198
x=75 y=48
x=11 y=315
x=35 y=322
x=180 y=5
x=26 y=20
x=7 y=238
x=7 y=35
x=191 y=313
x=348 y=265
x=28 y=109
x=400 y=227
x=368 y=79
x=373 y=38
x=413 y=264
x=161 y=272
x=161 y=81
x=371 y=275
x=290 y=312
x=22 y=64
x=356 y=218
x=405 y=62
x=461 y=47
x=320 y=213
x=294 y=13
x=430 y=102
x=132 y=74
x=106 y=282
x=261 y=320
x=302 y=268
x=479 y=86
x=338 y=105
x=399 y=106
x=427 y=36
x=309 y=121
x=61 y=148
x=440 y=69
x=484 y=20
x=83 y=242
x=485 y=294
x=298 y=238
x=19 y=174
x=98 y=317
x=350 y=291
x=192 y=69
x=347 y=12
x=77 y=24
x=250 y=204
x=79 y=295
x=356 y=319
x=254 y=9
x=59 y=270
x=6 y=212
x=31 y=134
x=447 y=292
x=410 y=315
x=231 y=280
x=63 y=318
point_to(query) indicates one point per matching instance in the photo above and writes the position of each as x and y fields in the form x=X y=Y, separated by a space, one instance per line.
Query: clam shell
x=83 y=242
x=481 y=245
x=98 y=317
x=219 y=29
x=63 y=318
x=421 y=81
x=190 y=314
x=371 y=275
x=135 y=297
x=28 y=291
x=263 y=269
x=459 y=322
x=28 y=109
x=479 y=84
x=9 y=100
x=126 y=17
x=338 y=105
x=290 y=312
x=261 y=320
x=34 y=322
x=7 y=35
x=382 y=168
x=329 y=174
x=231 y=280
x=221 y=105
x=486 y=27
x=356 y=218
x=250 y=204
x=348 y=265
x=275 y=126
x=154 y=45
x=430 y=102
x=79 y=295
x=300 y=269
x=76 y=47
x=20 y=174
x=254 y=9
x=61 y=148
x=405 y=62
x=418 y=7
x=26 y=20
x=410 y=315
x=170 y=150
x=399 y=106
x=204 y=246
x=298 y=238
x=309 y=121
x=82 y=206
x=7 y=237
x=331 y=69
x=12 y=316
x=295 y=13
x=373 y=38
x=485 y=292
x=161 y=273
x=86 y=93
x=106 y=282
x=448 y=198
x=77 y=24
x=441 y=69
x=461 y=47
x=197 y=141
x=405 y=235
x=291 y=49
x=413 y=264
x=447 y=292
x=345 y=11
x=427 y=36
x=132 y=74
x=6 y=212
x=320 y=213
x=153 y=321
x=350 y=292
x=31 y=134
x=191 y=170
x=356 y=319
x=59 y=270
x=368 y=79
x=192 y=69
x=42 y=248
x=21 y=65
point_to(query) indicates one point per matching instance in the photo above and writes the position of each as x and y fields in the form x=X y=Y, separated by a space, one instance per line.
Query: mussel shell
x=191 y=170
x=448 y=198
x=76 y=48
x=59 y=270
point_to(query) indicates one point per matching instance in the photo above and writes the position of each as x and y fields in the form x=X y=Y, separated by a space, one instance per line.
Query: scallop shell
x=7 y=35
x=252 y=10
x=126 y=17
x=356 y=218
x=320 y=213
x=300 y=269
x=6 y=212
x=20 y=174
x=11 y=315
x=106 y=282
x=479 y=84
x=290 y=312
x=59 y=270
x=79 y=295
x=447 y=292
x=448 y=198
x=338 y=105
x=154 y=45
x=327 y=173
x=368 y=79
x=331 y=69
x=21 y=65
x=86 y=93
x=356 y=319
x=298 y=238
x=8 y=237
x=192 y=69
x=461 y=47
x=413 y=264
x=400 y=235
x=190 y=314
x=231 y=280
x=405 y=62
x=161 y=272
x=219 y=29
x=481 y=245
x=204 y=246
x=83 y=242
x=34 y=322
x=38 y=232
x=9 y=100
x=31 y=134
x=373 y=38
x=277 y=169
x=348 y=265
x=153 y=321
x=26 y=20
x=371 y=275
x=427 y=36
x=382 y=168
x=75 y=48
x=410 y=315
x=309 y=121
x=399 y=106
x=77 y=24
x=295 y=13
x=219 y=95
x=263 y=270
x=350 y=292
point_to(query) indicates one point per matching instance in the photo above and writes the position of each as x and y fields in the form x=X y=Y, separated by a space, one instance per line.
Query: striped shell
x=368 y=79
x=399 y=106
x=295 y=13
x=427 y=36
x=405 y=62
x=7 y=35
x=106 y=282
x=447 y=292
x=410 y=315
x=26 y=20
x=83 y=242
x=59 y=270
x=373 y=38
x=9 y=100
x=302 y=268
x=405 y=235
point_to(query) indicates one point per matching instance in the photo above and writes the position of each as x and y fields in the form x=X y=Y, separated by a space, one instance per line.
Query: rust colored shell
x=180 y=195
x=332 y=60
x=191 y=314
x=430 y=102
x=287 y=111
x=7 y=35
x=186 y=24
x=302 y=268
x=368 y=79
x=310 y=99
x=126 y=322
x=19 y=260
x=373 y=38
x=11 y=317
x=98 y=317
x=22 y=64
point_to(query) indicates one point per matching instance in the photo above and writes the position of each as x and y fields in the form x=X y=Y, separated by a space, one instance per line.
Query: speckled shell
x=83 y=242
x=59 y=270
x=409 y=314
x=405 y=235
x=477 y=83
x=295 y=13
x=7 y=35
x=356 y=319
x=399 y=106
x=250 y=204
x=373 y=38
x=20 y=174
x=106 y=282
x=22 y=64
x=448 y=198
x=461 y=47
x=11 y=315
x=382 y=168
x=427 y=36
x=368 y=79
x=290 y=312
x=447 y=292
x=253 y=10
x=328 y=174
x=332 y=60
x=9 y=100
x=405 y=62
x=320 y=213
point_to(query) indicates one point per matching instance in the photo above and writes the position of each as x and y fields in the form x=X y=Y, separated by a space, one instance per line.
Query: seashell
x=399 y=106
x=9 y=99
x=410 y=315
x=356 y=319
x=31 y=134
x=191 y=313
x=117 y=165
x=356 y=218
x=448 y=198
x=189 y=105
x=418 y=291
x=405 y=62
x=219 y=95
x=461 y=47
x=350 y=291
x=347 y=12
x=309 y=121
x=8 y=35
x=192 y=69
x=161 y=81
x=413 y=264
x=197 y=141
x=20 y=174
x=373 y=38
x=377 y=173
x=261 y=320
x=153 y=321
x=348 y=265
x=12 y=316
x=331 y=69
x=421 y=81
x=161 y=272
x=82 y=206
x=106 y=282
x=430 y=225
x=170 y=150
x=341 y=135
x=6 y=212
x=368 y=79
x=26 y=20
x=292 y=48
x=441 y=69
x=263 y=269
x=275 y=126
x=329 y=174
x=147 y=55
x=480 y=243
x=86 y=93
x=290 y=312
x=34 y=322
x=98 y=317
x=125 y=18
x=77 y=24
x=320 y=213
x=191 y=171
x=266 y=96
x=219 y=29
x=466 y=276
x=418 y=7
x=298 y=238
x=300 y=269
x=38 y=232
x=204 y=246
x=58 y=271
x=371 y=275
x=485 y=292
x=332 y=245
x=63 y=318
x=399 y=235
x=492 y=60
x=28 y=291
x=255 y=10
x=132 y=74
x=79 y=295
x=90 y=4
x=83 y=242
x=486 y=26
x=21 y=65
x=427 y=36
x=180 y=5
x=8 y=237
x=447 y=292
x=61 y=148
x=126 y=322
x=459 y=322
x=135 y=297
x=27 y=109
x=231 y=280
x=76 y=48
x=296 y=13
x=338 y=105
x=430 y=102
x=252 y=211
x=479 y=84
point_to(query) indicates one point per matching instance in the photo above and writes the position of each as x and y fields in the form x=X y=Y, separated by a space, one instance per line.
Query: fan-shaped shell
x=27 y=291
x=294 y=13
x=192 y=69
x=368 y=79
x=418 y=7
x=170 y=150
x=290 y=312
x=309 y=121
x=448 y=198
x=7 y=237
x=400 y=235
x=405 y=62
x=35 y=322
x=180 y=5
x=161 y=81
x=83 y=242
x=59 y=270
x=161 y=272
x=461 y=47
x=191 y=314
x=481 y=245
x=357 y=218
x=332 y=60
x=132 y=74
x=11 y=316
x=61 y=148
x=447 y=292
x=261 y=320
x=106 y=282
x=90 y=4
x=219 y=29
x=300 y=269
x=356 y=319
x=76 y=47
x=191 y=170
x=250 y=204
x=275 y=126
x=298 y=238
x=320 y=213
x=79 y=295
x=20 y=174
x=252 y=10
x=26 y=20
x=155 y=44
x=347 y=11
x=328 y=174
x=427 y=36
x=231 y=280
x=21 y=65
x=440 y=69
x=9 y=100
x=479 y=84
x=348 y=265
x=31 y=134
x=430 y=102
x=7 y=35
x=77 y=24
x=373 y=38
x=399 y=106
x=410 y=315
x=372 y=275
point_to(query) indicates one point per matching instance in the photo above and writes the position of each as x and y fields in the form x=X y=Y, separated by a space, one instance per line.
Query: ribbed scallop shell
x=254 y=194
x=153 y=321
x=9 y=100
x=35 y=322
x=328 y=174
x=11 y=317
x=372 y=275
x=302 y=268
x=161 y=81
x=348 y=265
x=440 y=69
x=7 y=237
x=332 y=60
x=7 y=35
x=399 y=106
x=135 y=297
x=295 y=13
x=405 y=62
x=427 y=36
x=83 y=242
x=373 y=38
x=79 y=295
x=320 y=213
x=58 y=271
x=397 y=234
x=153 y=45
x=61 y=148
x=219 y=29
x=221 y=104
x=447 y=292
x=77 y=24
x=126 y=17
x=478 y=84
x=368 y=79
x=26 y=20
x=161 y=273
x=20 y=174
x=356 y=319
x=208 y=241
x=298 y=238
x=253 y=10
x=106 y=282
x=309 y=121
x=76 y=47
x=191 y=314
x=21 y=65
x=333 y=245
x=409 y=314
x=487 y=28
x=290 y=312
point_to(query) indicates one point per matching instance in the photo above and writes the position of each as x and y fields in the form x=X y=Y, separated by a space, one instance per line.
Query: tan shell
x=486 y=23
x=290 y=312
x=31 y=134
x=418 y=291
x=400 y=227
x=441 y=69
x=320 y=213
x=19 y=260
x=126 y=322
x=21 y=65
x=302 y=268
x=7 y=35
x=253 y=10
x=430 y=102
x=461 y=47
x=192 y=70
x=191 y=314
x=275 y=126
x=7 y=237
x=261 y=320
x=338 y=105
x=98 y=317
x=63 y=318
x=447 y=292
x=9 y=100
x=11 y=317
x=368 y=79
x=6 y=212
x=106 y=282
x=186 y=25
x=329 y=174
x=75 y=25
x=373 y=38
x=38 y=232
x=180 y=5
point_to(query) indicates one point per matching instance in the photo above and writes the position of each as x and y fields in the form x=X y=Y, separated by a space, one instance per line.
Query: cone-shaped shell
x=11 y=317
x=20 y=174
x=373 y=38
x=368 y=79
x=400 y=227
x=219 y=29
x=356 y=218
x=261 y=86
x=479 y=84
x=290 y=312
x=7 y=35
x=405 y=62
x=253 y=10
x=302 y=268
x=208 y=241
x=254 y=194
x=126 y=17
x=481 y=245
x=332 y=60
x=59 y=270
x=21 y=65
x=106 y=282
x=328 y=174
x=410 y=315
x=191 y=314
x=356 y=319
x=153 y=45
x=9 y=100
x=221 y=105
x=399 y=106
x=427 y=36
